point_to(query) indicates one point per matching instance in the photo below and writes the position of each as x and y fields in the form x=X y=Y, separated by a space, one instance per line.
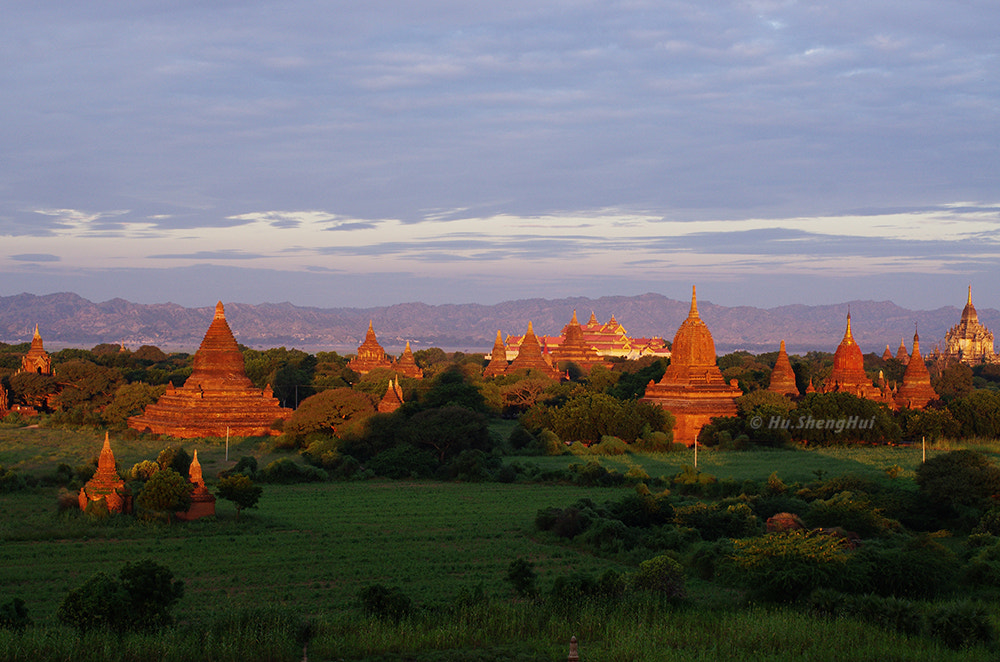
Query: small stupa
x=782 y=376
x=37 y=360
x=202 y=501
x=370 y=354
x=498 y=359
x=901 y=354
x=407 y=365
x=218 y=399
x=574 y=349
x=529 y=357
x=393 y=398
x=916 y=390
x=693 y=388
x=106 y=483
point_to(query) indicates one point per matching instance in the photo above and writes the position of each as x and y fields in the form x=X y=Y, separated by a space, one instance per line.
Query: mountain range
x=66 y=319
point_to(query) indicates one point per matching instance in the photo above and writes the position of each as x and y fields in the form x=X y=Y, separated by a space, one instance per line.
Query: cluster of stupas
x=371 y=356
x=218 y=399
x=106 y=484
x=531 y=356
x=606 y=340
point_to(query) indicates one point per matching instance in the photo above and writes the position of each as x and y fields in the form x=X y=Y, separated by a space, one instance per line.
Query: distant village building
x=969 y=341
x=693 y=388
x=37 y=360
x=218 y=399
x=782 y=376
x=916 y=390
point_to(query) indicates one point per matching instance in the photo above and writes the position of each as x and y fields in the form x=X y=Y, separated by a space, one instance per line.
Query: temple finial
x=969 y=300
x=37 y=334
x=220 y=312
x=694 y=302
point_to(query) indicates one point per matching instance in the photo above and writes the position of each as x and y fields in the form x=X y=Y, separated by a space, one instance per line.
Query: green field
x=309 y=549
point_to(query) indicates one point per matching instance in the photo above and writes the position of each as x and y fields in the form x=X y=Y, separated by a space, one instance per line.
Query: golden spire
x=969 y=301
x=694 y=302
x=37 y=334
x=781 y=347
x=573 y=321
x=220 y=312
x=847 y=334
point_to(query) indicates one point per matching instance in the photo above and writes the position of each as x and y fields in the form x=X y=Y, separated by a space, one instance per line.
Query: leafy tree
x=661 y=574
x=32 y=390
x=978 y=414
x=384 y=602
x=337 y=412
x=176 y=458
x=449 y=430
x=953 y=382
x=85 y=384
x=452 y=388
x=149 y=354
x=130 y=400
x=14 y=615
x=165 y=493
x=239 y=489
x=961 y=478
x=523 y=578
x=139 y=599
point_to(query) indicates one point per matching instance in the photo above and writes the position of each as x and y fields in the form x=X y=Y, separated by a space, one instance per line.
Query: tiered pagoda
x=393 y=398
x=106 y=483
x=530 y=357
x=916 y=390
x=692 y=388
x=370 y=355
x=782 y=376
x=887 y=354
x=407 y=366
x=574 y=349
x=968 y=341
x=901 y=354
x=498 y=359
x=37 y=360
x=202 y=501
x=848 y=375
x=218 y=399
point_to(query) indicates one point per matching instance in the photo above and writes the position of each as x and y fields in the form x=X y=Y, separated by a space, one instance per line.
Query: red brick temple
x=848 y=375
x=202 y=501
x=692 y=388
x=498 y=359
x=407 y=366
x=37 y=360
x=901 y=354
x=106 y=483
x=575 y=349
x=392 y=400
x=370 y=355
x=218 y=399
x=916 y=390
x=530 y=357
x=782 y=376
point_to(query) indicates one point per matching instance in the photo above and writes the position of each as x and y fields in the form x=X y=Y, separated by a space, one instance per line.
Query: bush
x=384 y=602
x=662 y=575
x=11 y=481
x=917 y=567
x=287 y=471
x=853 y=512
x=523 y=578
x=960 y=624
x=139 y=599
x=14 y=615
x=404 y=461
x=719 y=520
x=787 y=566
x=960 y=478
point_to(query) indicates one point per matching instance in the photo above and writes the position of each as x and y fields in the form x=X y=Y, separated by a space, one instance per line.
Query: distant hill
x=66 y=319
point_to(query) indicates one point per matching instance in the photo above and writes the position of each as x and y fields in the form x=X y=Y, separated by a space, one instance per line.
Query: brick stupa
x=901 y=354
x=916 y=390
x=37 y=360
x=498 y=359
x=106 y=483
x=574 y=349
x=692 y=388
x=202 y=501
x=407 y=365
x=529 y=357
x=393 y=398
x=848 y=375
x=370 y=354
x=782 y=376
x=218 y=399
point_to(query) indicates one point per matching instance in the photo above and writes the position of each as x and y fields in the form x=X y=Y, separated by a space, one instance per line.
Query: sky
x=338 y=154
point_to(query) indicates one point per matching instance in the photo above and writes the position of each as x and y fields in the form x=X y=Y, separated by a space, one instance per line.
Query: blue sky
x=352 y=154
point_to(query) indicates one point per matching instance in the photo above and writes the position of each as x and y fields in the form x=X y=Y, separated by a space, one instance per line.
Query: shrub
x=918 y=567
x=960 y=478
x=523 y=578
x=404 y=461
x=388 y=603
x=719 y=520
x=167 y=492
x=786 y=566
x=853 y=512
x=139 y=599
x=287 y=471
x=960 y=624
x=14 y=615
x=661 y=574
x=11 y=481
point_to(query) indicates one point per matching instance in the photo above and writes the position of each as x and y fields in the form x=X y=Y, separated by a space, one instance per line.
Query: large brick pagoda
x=916 y=390
x=782 y=376
x=848 y=375
x=218 y=399
x=575 y=349
x=370 y=354
x=530 y=357
x=693 y=388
